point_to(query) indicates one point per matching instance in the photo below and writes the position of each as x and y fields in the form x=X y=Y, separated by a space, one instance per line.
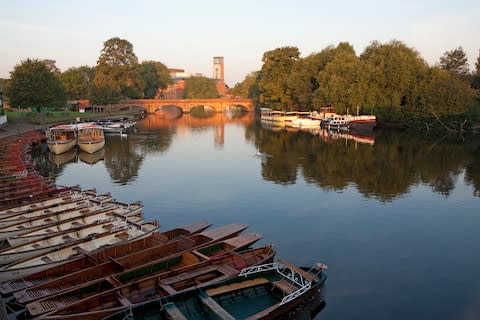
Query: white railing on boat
x=284 y=271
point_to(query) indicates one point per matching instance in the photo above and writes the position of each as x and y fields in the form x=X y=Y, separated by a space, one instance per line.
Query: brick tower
x=218 y=75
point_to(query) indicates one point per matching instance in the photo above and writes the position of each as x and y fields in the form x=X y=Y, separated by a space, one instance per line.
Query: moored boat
x=164 y=259
x=276 y=116
x=278 y=290
x=154 y=287
x=90 y=137
x=61 y=138
x=43 y=261
x=99 y=256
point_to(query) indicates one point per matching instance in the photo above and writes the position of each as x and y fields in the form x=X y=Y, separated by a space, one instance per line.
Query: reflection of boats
x=276 y=116
x=273 y=126
x=61 y=138
x=62 y=158
x=335 y=135
x=268 y=291
x=90 y=137
x=92 y=158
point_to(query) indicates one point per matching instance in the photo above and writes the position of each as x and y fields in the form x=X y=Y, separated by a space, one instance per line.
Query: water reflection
x=383 y=166
x=63 y=158
x=122 y=159
x=92 y=158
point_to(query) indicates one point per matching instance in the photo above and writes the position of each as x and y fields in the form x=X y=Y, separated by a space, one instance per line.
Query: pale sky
x=188 y=34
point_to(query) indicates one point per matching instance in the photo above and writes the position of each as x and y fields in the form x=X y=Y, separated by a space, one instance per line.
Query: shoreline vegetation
x=389 y=80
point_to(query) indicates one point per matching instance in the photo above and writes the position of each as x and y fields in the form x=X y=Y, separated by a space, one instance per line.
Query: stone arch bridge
x=153 y=105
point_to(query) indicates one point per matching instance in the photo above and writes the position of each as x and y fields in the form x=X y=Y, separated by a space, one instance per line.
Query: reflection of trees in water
x=121 y=159
x=383 y=171
x=43 y=164
x=155 y=142
x=472 y=172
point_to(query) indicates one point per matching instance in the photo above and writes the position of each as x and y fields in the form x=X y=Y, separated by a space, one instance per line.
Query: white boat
x=275 y=116
x=336 y=122
x=117 y=127
x=61 y=138
x=90 y=137
x=84 y=219
x=58 y=240
x=306 y=123
x=41 y=262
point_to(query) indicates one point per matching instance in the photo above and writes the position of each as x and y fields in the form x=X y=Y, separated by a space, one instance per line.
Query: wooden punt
x=135 y=266
x=99 y=256
x=50 y=259
x=72 y=225
x=24 y=226
x=54 y=218
x=154 y=287
x=68 y=237
x=71 y=192
x=277 y=290
x=6 y=218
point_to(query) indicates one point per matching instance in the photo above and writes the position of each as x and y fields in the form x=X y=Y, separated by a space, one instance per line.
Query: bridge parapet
x=152 y=105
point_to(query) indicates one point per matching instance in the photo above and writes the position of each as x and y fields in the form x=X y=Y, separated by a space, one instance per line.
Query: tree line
x=117 y=75
x=390 y=80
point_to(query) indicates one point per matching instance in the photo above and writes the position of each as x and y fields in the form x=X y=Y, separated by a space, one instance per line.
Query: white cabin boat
x=90 y=137
x=275 y=116
x=61 y=138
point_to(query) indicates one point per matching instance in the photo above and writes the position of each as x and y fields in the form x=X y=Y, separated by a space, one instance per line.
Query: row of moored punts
x=78 y=254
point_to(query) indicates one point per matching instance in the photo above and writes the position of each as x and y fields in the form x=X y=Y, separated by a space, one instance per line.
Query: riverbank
x=17 y=128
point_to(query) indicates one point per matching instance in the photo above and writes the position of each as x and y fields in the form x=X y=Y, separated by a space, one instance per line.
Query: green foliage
x=200 y=88
x=277 y=67
x=77 y=82
x=394 y=73
x=343 y=83
x=155 y=76
x=33 y=84
x=456 y=62
x=117 y=74
x=248 y=88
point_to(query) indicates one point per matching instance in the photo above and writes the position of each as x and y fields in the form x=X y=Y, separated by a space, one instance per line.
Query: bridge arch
x=219 y=105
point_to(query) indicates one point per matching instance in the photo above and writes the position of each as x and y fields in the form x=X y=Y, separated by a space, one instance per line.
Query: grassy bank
x=52 y=117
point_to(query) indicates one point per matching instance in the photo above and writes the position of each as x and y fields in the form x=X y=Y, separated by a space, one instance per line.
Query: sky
x=188 y=34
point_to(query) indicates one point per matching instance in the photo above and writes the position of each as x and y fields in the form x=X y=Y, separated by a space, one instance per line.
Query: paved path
x=14 y=128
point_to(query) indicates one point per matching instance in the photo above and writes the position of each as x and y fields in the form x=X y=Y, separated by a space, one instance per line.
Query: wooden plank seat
x=214 y=307
x=173 y=312
x=285 y=286
x=236 y=286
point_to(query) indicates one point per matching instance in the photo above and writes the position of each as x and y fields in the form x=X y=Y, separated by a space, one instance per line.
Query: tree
x=343 y=83
x=200 y=88
x=456 y=62
x=32 y=84
x=248 y=88
x=77 y=82
x=155 y=76
x=117 y=73
x=476 y=75
x=394 y=73
x=273 y=79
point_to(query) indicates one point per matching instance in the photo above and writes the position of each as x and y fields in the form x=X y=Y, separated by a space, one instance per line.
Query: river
x=395 y=216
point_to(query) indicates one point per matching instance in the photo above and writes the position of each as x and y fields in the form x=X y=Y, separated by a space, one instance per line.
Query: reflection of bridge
x=219 y=105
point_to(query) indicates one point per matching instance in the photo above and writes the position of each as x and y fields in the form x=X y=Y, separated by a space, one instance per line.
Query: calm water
x=396 y=217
